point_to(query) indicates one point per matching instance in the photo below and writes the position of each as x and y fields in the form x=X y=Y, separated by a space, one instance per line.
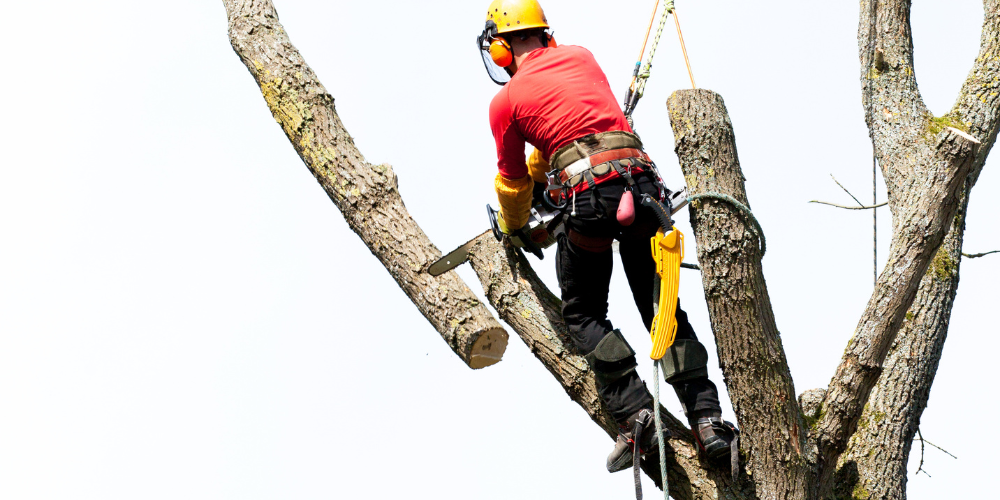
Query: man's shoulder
x=575 y=48
x=500 y=105
x=561 y=51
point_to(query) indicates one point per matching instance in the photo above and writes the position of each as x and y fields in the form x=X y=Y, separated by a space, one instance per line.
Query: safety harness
x=593 y=160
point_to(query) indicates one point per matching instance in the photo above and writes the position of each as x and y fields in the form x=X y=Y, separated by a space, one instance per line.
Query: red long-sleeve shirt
x=557 y=95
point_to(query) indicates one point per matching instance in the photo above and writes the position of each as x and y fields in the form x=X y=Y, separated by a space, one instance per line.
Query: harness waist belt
x=593 y=144
x=598 y=165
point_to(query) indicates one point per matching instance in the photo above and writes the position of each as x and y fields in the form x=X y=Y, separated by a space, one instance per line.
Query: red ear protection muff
x=501 y=52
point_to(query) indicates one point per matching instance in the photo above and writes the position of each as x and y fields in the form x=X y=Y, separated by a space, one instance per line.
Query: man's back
x=558 y=94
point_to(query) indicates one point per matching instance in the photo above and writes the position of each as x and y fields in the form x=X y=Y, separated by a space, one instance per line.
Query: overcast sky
x=185 y=314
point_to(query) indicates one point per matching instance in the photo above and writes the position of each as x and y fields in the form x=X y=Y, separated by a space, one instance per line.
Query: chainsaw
x=535 y=236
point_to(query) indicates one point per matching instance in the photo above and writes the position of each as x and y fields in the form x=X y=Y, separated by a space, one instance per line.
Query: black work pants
x=583 y=266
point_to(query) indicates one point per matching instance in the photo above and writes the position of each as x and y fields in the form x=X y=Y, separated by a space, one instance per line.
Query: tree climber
x=558 y=99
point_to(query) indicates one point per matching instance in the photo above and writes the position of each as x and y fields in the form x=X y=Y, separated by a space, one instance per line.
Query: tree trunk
x=877 y=456
x=366 y=194
x=749 y=345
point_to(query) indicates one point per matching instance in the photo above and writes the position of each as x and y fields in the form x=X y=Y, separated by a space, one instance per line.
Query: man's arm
x=513 y=183
x=516 y=195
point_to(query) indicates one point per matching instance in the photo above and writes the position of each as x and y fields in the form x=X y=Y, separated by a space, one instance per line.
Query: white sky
x=185 y=314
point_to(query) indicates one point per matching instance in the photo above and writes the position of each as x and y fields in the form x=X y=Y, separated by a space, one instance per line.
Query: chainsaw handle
x=528 y=244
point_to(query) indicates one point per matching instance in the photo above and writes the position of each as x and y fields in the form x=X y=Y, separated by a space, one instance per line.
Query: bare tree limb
x=946 y=452
x=879 y=452
x=880 y=205
x=920 y=468
x=845 y=190
x=923 y=218
x=861 y=206
x=978 y=255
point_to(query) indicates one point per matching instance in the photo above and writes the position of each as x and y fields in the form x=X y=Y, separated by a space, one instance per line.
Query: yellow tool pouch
x=668 y=252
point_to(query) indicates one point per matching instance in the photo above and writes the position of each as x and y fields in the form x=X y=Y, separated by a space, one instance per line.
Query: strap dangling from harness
x=637 y=438
x=659 y=430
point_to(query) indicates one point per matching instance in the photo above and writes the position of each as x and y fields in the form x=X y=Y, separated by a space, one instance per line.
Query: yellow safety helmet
x=502 y=17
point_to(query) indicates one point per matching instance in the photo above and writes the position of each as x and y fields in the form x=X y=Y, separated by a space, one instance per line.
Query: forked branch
x=926 y=166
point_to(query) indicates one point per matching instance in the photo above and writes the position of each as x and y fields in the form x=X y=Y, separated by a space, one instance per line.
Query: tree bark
x=876 y=460
x=749 y=345
x=366 y=194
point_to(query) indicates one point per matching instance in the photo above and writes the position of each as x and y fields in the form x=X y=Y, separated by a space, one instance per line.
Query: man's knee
x=612 y=359
x=685 y=360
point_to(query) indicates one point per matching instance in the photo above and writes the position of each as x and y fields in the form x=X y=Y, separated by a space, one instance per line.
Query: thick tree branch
x=366 y=194
x=749 y=345
x=875 y=463
x=926 y=164
x=977 y=109
x=877 y=456
x=926 y=218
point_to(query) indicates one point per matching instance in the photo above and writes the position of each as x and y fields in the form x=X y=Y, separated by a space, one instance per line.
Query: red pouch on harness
x=626 y=209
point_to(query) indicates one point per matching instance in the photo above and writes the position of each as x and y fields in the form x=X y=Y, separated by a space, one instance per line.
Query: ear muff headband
x=501 y=52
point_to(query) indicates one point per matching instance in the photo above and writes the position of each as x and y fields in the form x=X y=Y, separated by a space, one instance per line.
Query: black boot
x=715 y=436
x=642 y=423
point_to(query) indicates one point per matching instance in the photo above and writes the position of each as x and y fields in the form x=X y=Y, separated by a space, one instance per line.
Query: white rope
x=659 y=422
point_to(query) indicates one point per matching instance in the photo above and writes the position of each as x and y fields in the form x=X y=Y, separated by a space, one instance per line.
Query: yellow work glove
x=515 y=201
x=538 y=167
